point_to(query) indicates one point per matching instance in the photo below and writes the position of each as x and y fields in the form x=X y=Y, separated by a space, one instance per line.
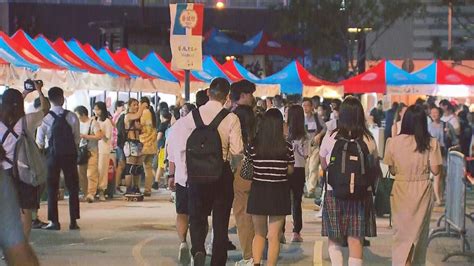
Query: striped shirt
x=271 y=170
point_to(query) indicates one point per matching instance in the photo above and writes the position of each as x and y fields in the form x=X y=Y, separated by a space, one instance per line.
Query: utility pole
x=450 y=24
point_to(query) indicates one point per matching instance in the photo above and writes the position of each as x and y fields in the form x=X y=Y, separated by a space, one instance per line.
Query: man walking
x=242 y=94
x=61 y=128
x=214 y=196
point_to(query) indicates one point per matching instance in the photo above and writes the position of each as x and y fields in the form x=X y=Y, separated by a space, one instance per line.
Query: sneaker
x=283 y=239
x=90 y=198
x=296 y=238
x=37 y=224
x=118 y=190
x=137 y=191
x=199 y=259
x=101 y=196
x=155 y=186
x=244 y=262
x=184 y=256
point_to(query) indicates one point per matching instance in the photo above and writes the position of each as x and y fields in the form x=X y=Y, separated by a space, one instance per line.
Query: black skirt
x=267 y=198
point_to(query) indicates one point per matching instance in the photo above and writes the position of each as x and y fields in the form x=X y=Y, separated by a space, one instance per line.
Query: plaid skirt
x=343 y=218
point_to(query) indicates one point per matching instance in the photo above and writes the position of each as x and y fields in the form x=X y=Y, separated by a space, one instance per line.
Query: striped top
x=271 y=170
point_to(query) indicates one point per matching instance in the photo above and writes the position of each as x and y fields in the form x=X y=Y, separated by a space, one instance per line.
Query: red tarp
x=372 y=80
x=446 y=75
x=30 y=53
x=90 y=51
x=61 y=47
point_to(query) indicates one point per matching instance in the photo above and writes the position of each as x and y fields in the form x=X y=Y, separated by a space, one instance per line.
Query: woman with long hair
x=12 y=122
x=148 y=139
x=411 y=156
x=397 y=123
x=269 y=199
x=105 y=147
x=133 y=148
x=301 y=143
x=348 y=219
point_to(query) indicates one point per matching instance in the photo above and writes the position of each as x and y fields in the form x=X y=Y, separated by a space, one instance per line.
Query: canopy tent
x=295 y=79
x=77 y=60
x=372 y=80
x=211 y=66
x=10 y=53
x=240 y=73
x=218 y=43
x=264 y=44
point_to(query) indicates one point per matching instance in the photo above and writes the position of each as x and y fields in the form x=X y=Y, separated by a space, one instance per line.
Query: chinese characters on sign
x=186 y=36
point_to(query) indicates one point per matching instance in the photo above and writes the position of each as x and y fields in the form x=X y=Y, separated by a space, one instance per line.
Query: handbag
x=382 y=195
x=247 y=168
x=83 y=153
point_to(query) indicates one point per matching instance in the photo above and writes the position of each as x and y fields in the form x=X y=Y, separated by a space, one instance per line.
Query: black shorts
x=27 y=195
x=181 y=199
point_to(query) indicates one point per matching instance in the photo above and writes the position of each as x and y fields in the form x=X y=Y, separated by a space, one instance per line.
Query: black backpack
x=204 y=150
x=350 y=169
x=121 y=131
x=62 y=141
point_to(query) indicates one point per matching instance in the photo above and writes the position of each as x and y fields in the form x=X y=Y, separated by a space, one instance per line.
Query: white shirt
x=33 y=121
x=176 y=151
x=229 y=129
x=453 y=120
x=44 y=131
x=91 y=127
x=105 y=144
x=328 y=144
x=301 y=151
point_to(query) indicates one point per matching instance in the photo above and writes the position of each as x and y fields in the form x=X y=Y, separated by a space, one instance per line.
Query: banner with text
x=186 y=36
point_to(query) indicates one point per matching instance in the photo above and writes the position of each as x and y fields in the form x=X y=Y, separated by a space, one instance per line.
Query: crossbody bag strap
x=218 y=119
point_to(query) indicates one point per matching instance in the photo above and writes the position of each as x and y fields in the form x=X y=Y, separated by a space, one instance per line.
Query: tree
x=322 y=25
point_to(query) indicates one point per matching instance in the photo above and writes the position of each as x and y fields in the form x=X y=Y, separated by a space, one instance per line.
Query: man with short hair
x=215 y=197
x=242 y=95
x=316 y=128
x=279 y=104
x=378 y=114
x=59 y=157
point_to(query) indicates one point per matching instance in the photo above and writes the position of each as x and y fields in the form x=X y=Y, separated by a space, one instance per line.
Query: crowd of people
x=234 y=154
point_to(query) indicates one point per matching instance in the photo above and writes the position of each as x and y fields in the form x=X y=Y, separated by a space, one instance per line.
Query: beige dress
x=412 y=196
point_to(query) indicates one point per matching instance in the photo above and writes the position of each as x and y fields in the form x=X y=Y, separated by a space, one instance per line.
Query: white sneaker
x=244 y=263
x=101 y=196
x=184 y=256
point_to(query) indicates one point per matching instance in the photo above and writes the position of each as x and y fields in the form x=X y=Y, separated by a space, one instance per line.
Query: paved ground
x=142 y=233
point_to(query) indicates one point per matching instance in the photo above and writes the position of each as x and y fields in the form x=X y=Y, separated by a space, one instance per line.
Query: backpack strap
x=219 y=117
x=5 y=136
x=198 y=119
x=361 y=156
x=53 y=114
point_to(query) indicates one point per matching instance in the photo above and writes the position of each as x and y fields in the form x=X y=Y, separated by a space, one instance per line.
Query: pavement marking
x=137 y=251
x=318 y=253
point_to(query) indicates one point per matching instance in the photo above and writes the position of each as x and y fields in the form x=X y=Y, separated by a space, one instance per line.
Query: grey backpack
x=28 y=162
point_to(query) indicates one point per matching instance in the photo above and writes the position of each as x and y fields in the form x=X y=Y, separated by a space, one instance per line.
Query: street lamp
x=220 y=5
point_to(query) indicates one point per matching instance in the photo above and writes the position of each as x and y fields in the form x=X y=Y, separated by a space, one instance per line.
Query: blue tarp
x=288 y=78
x=154 y=66
x=8 y=54
x=218 y=43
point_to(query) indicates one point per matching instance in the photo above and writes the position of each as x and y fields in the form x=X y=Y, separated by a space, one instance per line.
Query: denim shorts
x=11 y=229
x=119 y=154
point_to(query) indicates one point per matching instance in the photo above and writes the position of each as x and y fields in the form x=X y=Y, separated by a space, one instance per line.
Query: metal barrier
x=455 y=208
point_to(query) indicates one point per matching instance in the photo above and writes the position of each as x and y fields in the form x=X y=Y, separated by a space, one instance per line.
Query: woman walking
x=269 y=200
x=301 y=143
x=411 y=156
x=351 y=219
x=105 y=147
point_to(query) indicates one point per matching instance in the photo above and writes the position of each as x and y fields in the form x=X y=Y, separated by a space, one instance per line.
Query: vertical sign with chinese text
x=186 y=36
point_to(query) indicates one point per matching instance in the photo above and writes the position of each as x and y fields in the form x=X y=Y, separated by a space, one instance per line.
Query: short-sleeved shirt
x=89 y=128
x=401 y=154
x=33 y=121
x=162 y=129
x=271 y=169
x=301 y=151
x=105 y=144
x=329 y=141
